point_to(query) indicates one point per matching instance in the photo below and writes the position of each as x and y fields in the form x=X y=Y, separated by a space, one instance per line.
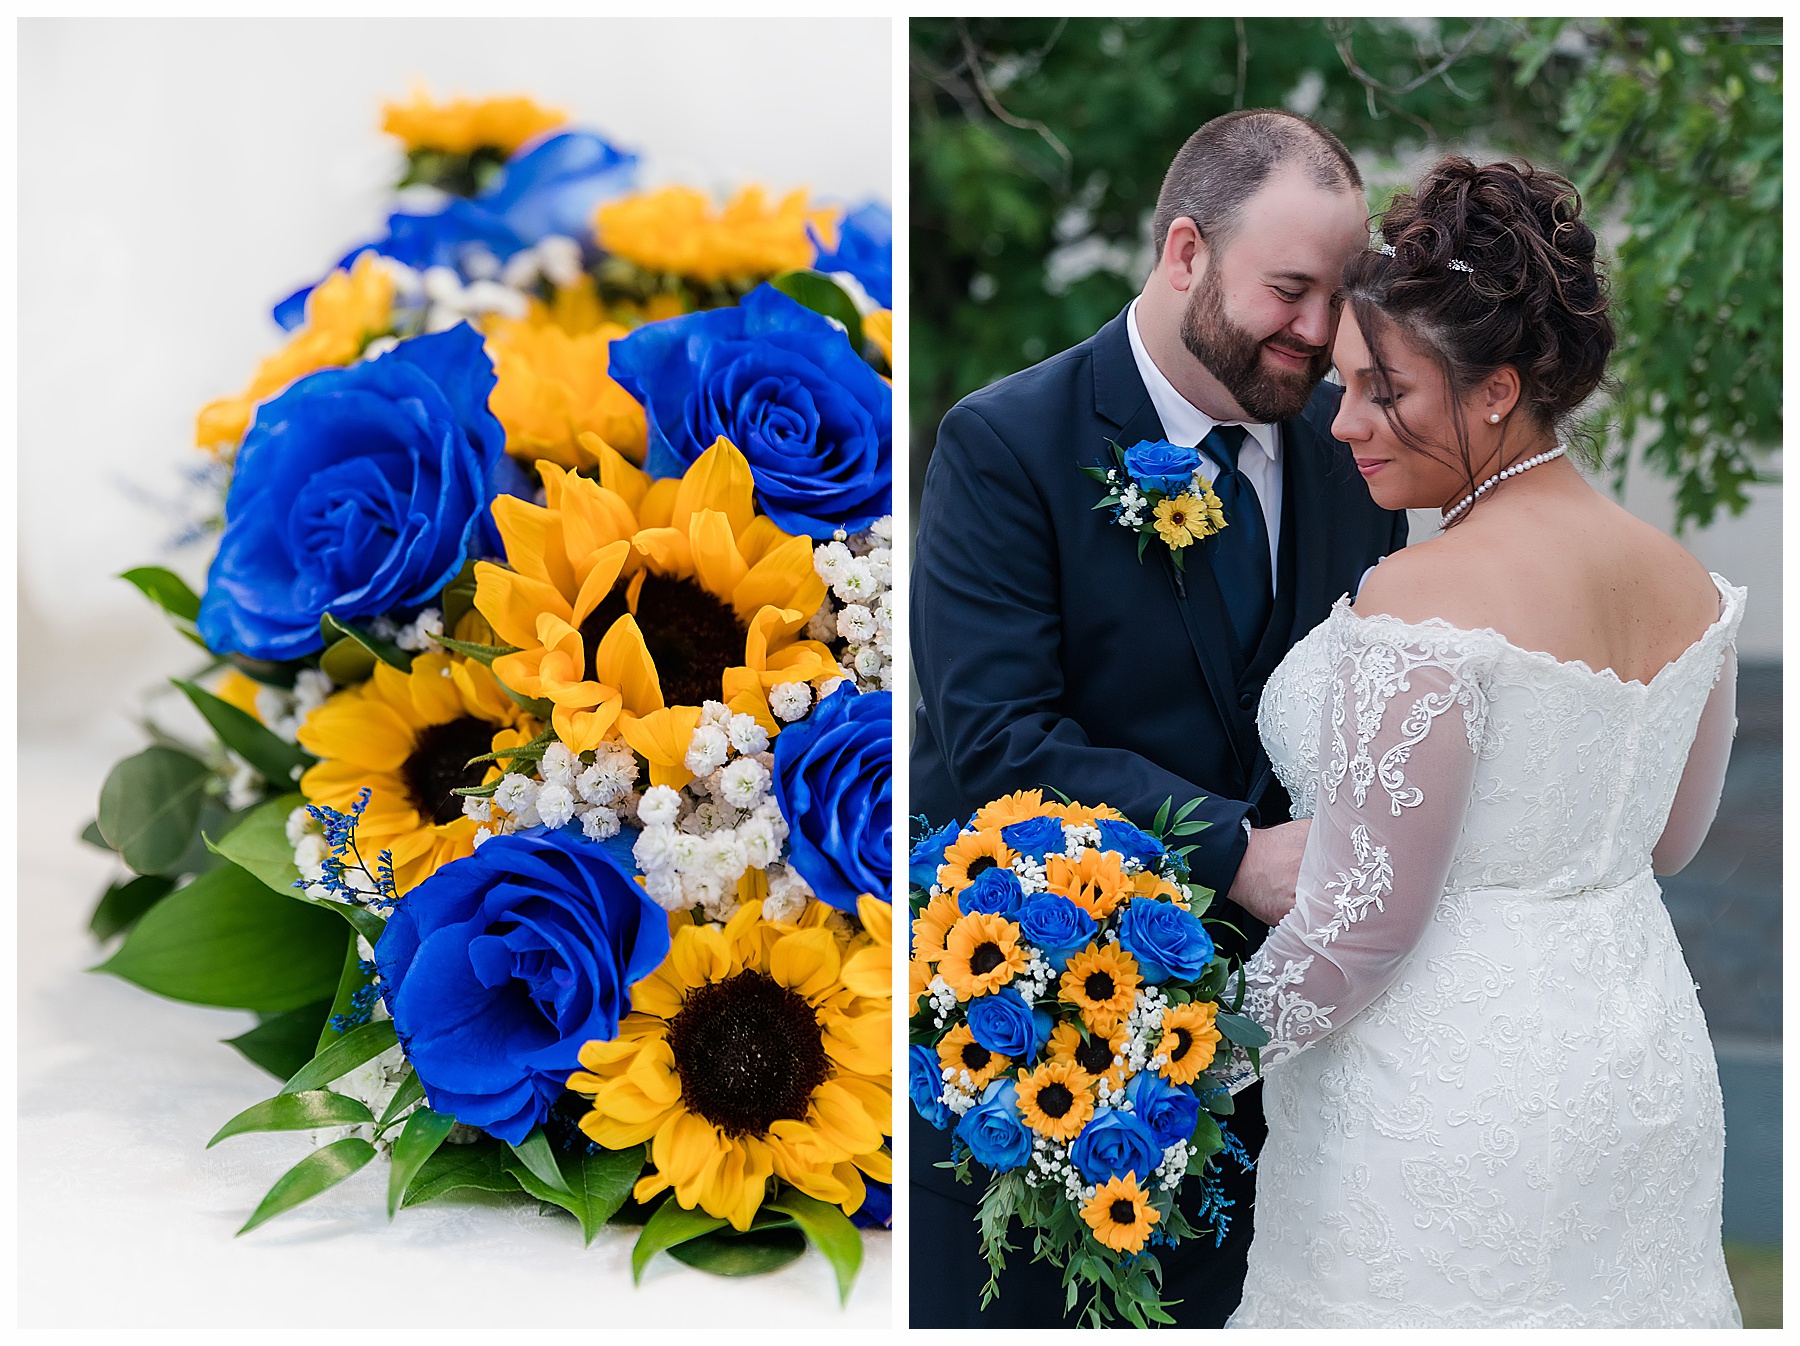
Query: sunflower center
x=1098 y=987
x=978 y=865
x=1055 y=1100
x=439 y=764
x=976 y=1057
x=1183 y=1040
x=692 y=637
x=1178 y=517
x=1123 y=1212
x=986 y=958
x=1095 y=1056
x=749 y=1053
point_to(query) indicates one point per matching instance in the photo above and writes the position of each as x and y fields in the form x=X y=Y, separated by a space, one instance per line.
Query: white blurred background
x=176 y=179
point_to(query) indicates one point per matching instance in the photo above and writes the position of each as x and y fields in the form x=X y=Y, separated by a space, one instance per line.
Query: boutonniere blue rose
x=1160 y=490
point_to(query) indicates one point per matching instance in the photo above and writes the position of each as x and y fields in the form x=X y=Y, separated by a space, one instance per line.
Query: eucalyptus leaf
x=829 y=1230
x=275 y=759
x=284 y=1042
x=295 y=1112
x=150 y=808
x=1244 y=1031
x=322 y=1169
x=123 y=903
x=419 y=1140
x=725 y=1252
x=226 y=940
x=671 y=1224
x=344 y=1055
x=92 y=835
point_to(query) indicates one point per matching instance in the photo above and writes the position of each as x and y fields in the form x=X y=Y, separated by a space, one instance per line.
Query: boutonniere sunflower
x=1160 y=490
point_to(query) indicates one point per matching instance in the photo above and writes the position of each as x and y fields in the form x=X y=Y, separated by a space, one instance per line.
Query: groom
x=1048 y=654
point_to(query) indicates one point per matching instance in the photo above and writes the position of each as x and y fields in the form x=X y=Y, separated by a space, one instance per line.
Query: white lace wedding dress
x=1490 y=1092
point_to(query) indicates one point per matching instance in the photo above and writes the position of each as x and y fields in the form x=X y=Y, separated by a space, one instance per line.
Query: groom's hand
x=1265 y=881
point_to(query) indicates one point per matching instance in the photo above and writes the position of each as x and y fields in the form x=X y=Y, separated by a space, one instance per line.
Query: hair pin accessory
x=1455 y=263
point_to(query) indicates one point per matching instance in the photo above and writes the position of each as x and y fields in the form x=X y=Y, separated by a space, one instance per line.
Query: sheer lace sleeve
x=1400 y=735
x=1703 y=778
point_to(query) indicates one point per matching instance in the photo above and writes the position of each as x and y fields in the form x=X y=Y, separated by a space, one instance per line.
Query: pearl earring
x=1493 y=418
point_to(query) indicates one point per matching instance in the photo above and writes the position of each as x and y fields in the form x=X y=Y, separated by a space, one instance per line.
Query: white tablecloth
x=125 y=1220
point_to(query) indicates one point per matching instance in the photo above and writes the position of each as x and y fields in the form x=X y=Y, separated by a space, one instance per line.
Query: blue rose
x=877 y=1209
x=1113 y=1144
x=1130 y=842
x=358 y=492
x=925 y=1084
x=834 y=774
x=995 y=891
x=922 y=864
x=1057 y=926
x=1169 y=1110
x=1005 y=1024
x=1166 y=941
x=865 y=248
x=785 y=386
x=992 y=1129
x=502 y=964
x=1035 y=837
x=1156 y=465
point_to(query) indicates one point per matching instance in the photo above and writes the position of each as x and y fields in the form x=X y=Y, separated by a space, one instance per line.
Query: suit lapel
x=1121 y=398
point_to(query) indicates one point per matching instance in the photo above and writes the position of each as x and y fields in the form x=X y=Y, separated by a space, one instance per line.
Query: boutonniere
x=1160 y=490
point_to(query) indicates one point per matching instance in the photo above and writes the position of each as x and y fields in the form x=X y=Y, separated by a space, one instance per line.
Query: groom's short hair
x=1224 y=163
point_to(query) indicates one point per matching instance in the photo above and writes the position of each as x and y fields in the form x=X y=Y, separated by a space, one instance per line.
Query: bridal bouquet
x=542 y=809
x=1065 y=1021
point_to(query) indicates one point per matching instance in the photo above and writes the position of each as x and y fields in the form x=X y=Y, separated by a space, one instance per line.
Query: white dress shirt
x=1185 y=424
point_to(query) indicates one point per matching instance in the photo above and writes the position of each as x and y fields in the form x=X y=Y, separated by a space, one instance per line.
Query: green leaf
x=535 y=1153
x=458 y=598
x=756 y=1252
x=347 y=662
x=1207 y=1140
x=295 y=1112
x=409 y=1092
x=91 y=835
x=259 y=844
x=323 y=1168
x=480 y=1166
x=167 y=590
x=823 y=295
x=1162 y=817
x=419 y=1140
x=275 y=759
x=271 y=673
x=284 y=1042
x=481 y=654
x=344 y=1055
x=1244 y=1031
x=226 y=940
x=389 y=653
x=601 y=1185
x=124 y=903
x=150 y=808
x=351 y=979
x=829 y=1230
x=671 y=1225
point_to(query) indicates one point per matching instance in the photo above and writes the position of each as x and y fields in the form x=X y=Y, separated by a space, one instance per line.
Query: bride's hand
x=1265 y=881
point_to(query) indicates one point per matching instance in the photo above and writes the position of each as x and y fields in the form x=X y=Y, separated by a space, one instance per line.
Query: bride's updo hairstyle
x=1491 y=266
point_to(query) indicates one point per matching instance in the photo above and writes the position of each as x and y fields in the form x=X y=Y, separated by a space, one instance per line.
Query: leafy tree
x=1038 y=146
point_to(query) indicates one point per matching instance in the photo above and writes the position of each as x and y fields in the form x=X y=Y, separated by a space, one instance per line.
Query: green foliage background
x=1038 y=146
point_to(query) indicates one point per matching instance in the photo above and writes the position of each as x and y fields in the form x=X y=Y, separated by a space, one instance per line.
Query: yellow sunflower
x=464 y=125
x=1097 y=881
x=409 y=737
x=749 y=1055
x=1186 y=518
x=676 y=231
x=981 y=954
x=1056 y=1100
x=959 y=1051
x=1017 y=807
x=1147 y=883
x=878 y=331
x=932 y=925
x=1082 y=815
x=1190 y=1040
x=344 y=313
x=1120 y=1214
x=1101 y=981
x=968 y=855
x=1101 y=1055
x=552 y=389
x=918 y=982
x=633 y=603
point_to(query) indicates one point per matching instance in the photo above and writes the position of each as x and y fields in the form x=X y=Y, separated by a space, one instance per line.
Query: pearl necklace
x=1450 y=515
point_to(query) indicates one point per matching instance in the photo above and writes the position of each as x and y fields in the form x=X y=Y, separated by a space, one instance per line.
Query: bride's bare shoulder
x=1443 y=579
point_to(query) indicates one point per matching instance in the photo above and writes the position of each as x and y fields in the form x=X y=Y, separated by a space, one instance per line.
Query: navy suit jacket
x=1048 y=655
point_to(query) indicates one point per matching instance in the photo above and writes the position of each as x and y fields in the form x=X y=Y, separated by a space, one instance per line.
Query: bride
x=1490 y=1093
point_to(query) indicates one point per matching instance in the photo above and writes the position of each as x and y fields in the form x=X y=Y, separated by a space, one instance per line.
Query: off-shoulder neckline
x=1731 y=599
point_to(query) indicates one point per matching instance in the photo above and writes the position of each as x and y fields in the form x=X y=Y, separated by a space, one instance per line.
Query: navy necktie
x=1240 y=551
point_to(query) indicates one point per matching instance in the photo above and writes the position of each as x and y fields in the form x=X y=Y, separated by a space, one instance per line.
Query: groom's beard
x=1235 y=359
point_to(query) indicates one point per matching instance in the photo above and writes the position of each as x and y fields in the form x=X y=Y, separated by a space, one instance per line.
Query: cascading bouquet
x=545 y=821
x=1066 y=1023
